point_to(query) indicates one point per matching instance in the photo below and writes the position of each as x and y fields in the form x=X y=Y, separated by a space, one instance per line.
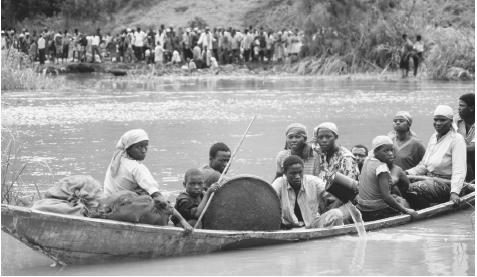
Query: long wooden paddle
x=225 y=171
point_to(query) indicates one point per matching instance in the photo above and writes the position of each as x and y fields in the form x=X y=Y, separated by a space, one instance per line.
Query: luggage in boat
x=130 y=207
x=244 y=203
x=73 y=195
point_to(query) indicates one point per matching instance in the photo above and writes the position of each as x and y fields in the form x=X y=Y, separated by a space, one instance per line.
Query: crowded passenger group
x=397 y=175
x=194 y=47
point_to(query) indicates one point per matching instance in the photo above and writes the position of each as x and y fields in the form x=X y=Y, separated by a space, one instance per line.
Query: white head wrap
x=379 y=141
x=444 y=110
x=326 y=125
x=127 y=139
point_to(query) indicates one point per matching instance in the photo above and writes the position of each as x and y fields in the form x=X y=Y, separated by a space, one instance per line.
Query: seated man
x=360 y=152
x=192 y=201
x=301 y=198
x=445 y=157
x=466 y=127
x=219 y=156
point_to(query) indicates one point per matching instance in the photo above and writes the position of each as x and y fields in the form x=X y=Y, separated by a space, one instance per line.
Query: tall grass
x=19 y=73
x=14 y=190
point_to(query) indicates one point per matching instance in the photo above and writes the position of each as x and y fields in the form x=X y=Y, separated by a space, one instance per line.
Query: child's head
x=383 y=149
x=194 y=182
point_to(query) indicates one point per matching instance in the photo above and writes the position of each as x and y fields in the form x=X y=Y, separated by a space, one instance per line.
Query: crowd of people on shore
x=305 y=168
x=193 y=47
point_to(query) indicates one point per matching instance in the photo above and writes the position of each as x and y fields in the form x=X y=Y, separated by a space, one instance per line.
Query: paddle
x=225 y=170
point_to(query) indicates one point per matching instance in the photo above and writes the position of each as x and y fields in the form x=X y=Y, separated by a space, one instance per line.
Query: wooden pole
x=225 y=170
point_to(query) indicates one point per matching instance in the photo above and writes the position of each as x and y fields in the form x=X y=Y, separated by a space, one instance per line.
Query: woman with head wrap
x=296 y=137
x=333 y=158
x=126 y=173
x=445 y=157
x=375 y=200
x=408 y=149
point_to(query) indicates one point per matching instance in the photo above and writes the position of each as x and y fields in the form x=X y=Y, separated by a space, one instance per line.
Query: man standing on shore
x=41 y=48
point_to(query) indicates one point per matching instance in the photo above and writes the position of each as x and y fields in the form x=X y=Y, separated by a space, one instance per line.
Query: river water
x=75 y=130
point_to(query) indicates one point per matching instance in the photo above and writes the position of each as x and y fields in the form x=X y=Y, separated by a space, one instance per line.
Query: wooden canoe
x=79 y=240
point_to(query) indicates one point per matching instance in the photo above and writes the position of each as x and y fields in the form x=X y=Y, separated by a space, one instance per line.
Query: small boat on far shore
x=81 y=240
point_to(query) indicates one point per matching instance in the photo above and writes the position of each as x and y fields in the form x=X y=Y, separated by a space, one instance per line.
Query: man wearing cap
x=465 y=126
x=408 y=150
x=445 y=157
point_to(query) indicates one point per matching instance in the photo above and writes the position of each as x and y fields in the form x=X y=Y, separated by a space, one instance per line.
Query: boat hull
x=80 y=240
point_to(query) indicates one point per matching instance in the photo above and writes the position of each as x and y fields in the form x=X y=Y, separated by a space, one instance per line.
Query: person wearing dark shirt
x=192 y=201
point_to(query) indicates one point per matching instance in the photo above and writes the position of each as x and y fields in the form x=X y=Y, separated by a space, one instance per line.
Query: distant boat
x=79 y=240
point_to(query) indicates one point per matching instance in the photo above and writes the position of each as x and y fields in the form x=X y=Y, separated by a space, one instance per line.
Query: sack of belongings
x=131 y=207
x=73 y=195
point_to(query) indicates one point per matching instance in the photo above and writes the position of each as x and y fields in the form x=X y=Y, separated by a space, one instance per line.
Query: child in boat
x=192 y=201
x=126 y=173
x=375 y=199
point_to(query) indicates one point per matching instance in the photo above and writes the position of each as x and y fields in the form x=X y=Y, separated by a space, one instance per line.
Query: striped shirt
x=309 y=166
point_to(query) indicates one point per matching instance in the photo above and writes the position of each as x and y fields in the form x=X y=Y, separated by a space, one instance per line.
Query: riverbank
x=18 y=73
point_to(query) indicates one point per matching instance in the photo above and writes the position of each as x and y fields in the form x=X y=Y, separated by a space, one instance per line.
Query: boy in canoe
x=127 y=173
x=192 y=201
x=301 y=198
x=219 y=156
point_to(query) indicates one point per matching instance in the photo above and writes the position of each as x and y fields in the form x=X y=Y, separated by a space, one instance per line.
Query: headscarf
x=326 y=125
x=444 y=110
x=379 y=141
x=296 y=128
x=406 y=116
x=300 y=129
x=127 y=139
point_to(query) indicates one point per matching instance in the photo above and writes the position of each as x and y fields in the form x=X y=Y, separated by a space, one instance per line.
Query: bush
x=18 y=72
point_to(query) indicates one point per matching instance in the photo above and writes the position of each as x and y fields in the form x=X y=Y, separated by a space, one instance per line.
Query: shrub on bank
x=18 y=72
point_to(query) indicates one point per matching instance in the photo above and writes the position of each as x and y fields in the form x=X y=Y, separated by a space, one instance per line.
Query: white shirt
x=131 y=176
x=447 y=157
x=95 y=40
x=309 y=197
x=41 y=43
x=139 y=38
x=206 y=40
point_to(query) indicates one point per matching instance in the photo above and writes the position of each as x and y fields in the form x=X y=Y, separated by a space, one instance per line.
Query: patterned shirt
x=468 y=136
x=341 y=161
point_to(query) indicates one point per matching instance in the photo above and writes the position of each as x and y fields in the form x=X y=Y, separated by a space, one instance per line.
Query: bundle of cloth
x=82 y=195
x=74 y=195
